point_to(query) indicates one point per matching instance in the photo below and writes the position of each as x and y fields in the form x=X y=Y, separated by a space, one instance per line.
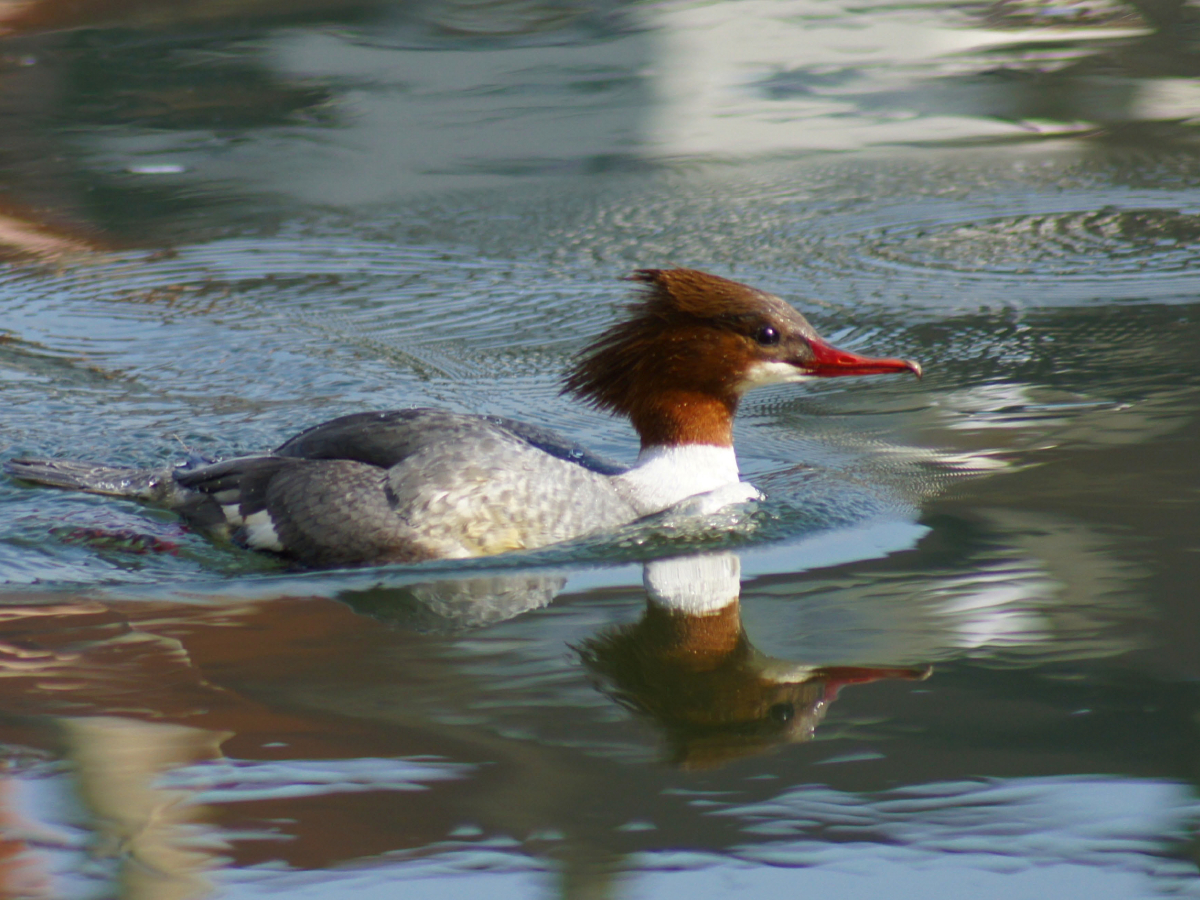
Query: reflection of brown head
x=716 y=697
x=31 y=233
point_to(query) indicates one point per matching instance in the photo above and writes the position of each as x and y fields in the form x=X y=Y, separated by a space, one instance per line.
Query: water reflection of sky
x=386 y=102
x=1075 y=836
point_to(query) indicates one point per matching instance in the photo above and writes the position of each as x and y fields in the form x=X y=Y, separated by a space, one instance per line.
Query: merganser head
x=693 y=344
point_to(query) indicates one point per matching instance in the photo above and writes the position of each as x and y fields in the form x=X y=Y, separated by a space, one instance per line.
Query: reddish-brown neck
x=672 y=417
x=697 y=642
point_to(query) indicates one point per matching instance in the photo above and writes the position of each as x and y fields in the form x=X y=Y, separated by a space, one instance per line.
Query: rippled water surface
x=957 y=645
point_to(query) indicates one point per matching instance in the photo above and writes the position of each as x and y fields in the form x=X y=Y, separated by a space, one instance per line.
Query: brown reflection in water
x=88 y=658
x=716 y=697
x=123 y=691
x=29 y=233
x=160 y=661
x=129 y=690
x=102 y=689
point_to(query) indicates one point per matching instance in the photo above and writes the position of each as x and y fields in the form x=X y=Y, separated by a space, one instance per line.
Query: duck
x=409 y=485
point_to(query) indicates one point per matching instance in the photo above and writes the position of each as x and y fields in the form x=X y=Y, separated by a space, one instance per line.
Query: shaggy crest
x=681 y=312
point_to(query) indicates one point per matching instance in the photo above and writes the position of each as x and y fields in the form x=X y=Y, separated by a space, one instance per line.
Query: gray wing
x=387 y=438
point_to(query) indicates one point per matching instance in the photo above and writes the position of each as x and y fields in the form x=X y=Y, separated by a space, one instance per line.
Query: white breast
x=664 y=476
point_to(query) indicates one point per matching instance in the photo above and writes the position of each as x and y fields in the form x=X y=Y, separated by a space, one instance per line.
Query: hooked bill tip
x=915 y=367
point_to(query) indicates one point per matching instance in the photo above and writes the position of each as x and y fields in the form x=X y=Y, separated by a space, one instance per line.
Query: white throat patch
x=760 y=374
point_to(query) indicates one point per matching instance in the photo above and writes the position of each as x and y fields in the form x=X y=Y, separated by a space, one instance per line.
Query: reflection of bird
x=455 y=603
x=419 y=484
x=688 y=664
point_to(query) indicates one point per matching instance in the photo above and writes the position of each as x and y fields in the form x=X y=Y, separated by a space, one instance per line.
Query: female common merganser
x=418 y=484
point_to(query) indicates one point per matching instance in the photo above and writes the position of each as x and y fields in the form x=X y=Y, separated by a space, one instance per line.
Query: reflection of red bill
x=837 y=677
x=123 y=540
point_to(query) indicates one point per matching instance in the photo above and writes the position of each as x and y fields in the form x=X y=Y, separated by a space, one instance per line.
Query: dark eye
x=767 y=336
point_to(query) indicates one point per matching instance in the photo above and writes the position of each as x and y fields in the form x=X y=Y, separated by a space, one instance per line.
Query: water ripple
x=1088 y=245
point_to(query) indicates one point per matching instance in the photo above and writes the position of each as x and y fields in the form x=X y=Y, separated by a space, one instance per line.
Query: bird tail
x=149 y=485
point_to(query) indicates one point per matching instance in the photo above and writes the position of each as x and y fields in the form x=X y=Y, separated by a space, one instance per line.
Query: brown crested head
x=692 y=345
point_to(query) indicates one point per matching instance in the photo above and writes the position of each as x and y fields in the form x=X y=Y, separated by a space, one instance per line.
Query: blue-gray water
x=221 y=223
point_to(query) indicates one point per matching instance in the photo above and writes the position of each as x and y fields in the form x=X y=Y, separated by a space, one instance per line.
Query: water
x=963 y=649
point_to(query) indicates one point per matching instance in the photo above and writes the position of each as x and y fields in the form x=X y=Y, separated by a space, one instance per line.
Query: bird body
x=418 y=484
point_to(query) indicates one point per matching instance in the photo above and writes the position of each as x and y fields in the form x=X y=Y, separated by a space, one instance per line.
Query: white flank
x=233 y=514
x=260 y=532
